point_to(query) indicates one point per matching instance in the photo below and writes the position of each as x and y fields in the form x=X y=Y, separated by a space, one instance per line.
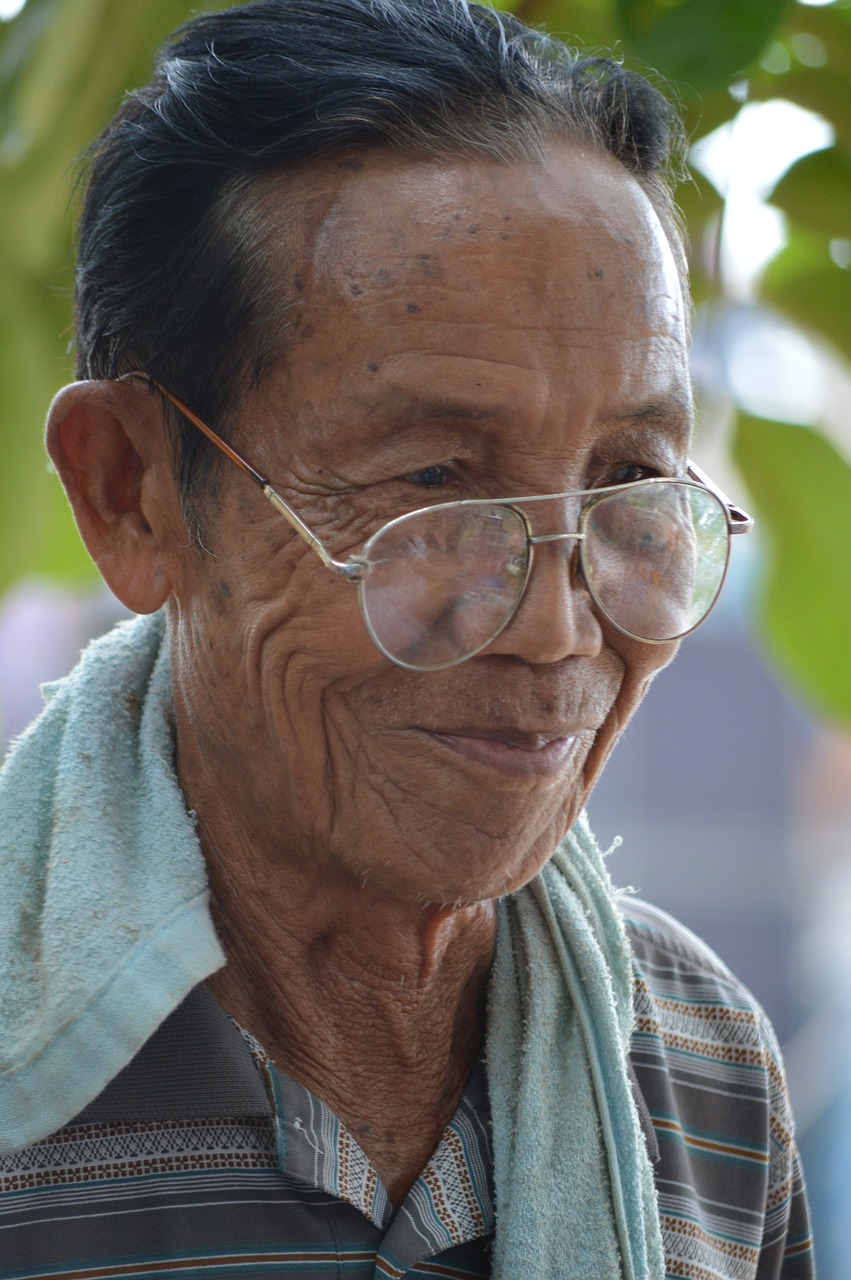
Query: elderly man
x=312 y=965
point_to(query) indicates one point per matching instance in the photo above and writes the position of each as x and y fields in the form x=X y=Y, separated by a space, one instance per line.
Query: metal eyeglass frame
x=356 y=567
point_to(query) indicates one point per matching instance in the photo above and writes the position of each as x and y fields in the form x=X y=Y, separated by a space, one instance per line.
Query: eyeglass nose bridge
x=576 y=538
x=536 y=539
x=565 y=514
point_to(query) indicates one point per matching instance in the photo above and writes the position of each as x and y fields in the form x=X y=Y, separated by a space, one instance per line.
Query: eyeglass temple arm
x=738 y=520
x=349 y=570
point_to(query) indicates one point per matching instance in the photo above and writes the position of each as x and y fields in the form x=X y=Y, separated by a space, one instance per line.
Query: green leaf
x=801 y=491
x=823 y=90
x=816 y=192
x=64 y=65
x=37 y=533
x=830 y=23
x=704 y=43
x=810 y=289
x=585 y=23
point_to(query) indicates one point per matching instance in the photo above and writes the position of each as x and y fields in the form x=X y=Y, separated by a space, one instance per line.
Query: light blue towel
x=575 y=1198
x=105 y=927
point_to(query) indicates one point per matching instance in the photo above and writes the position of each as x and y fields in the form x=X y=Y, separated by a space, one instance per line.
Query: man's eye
x=632 y=472
x=429 y=477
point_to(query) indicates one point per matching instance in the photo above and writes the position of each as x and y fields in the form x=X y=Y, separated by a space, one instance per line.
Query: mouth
x=515 y=752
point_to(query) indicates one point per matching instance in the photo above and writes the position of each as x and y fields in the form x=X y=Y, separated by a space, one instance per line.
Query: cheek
x=640 y=664
x=305 y=657
x=262 y=636
x=285 y=607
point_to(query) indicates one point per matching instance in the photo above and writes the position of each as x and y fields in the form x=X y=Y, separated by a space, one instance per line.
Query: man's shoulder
x=710 y=1076
x=657 y=936
x=691 y=1009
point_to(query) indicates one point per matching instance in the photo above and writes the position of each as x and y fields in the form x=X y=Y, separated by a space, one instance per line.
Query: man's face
x=463 y=329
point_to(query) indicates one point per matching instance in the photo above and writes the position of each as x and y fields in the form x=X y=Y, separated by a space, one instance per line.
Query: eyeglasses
x=439 y=584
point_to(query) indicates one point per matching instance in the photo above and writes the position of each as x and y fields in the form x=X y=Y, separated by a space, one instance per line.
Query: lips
x=514 y=751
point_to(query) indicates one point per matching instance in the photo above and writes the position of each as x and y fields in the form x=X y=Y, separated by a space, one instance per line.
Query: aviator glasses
x=439 y=584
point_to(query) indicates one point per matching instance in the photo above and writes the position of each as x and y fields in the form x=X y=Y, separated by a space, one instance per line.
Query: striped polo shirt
x=203 y=1159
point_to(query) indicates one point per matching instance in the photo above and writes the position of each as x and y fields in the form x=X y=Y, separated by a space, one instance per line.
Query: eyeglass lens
x=441 y=584
x=655 y=557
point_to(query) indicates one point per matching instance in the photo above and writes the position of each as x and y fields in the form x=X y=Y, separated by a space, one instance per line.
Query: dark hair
x=173 y=271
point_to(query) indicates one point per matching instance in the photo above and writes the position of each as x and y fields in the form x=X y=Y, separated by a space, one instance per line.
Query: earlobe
x=106 y=444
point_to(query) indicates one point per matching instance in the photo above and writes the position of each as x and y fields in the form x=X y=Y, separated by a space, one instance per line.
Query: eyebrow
x=662 y=410
x=406 y=410
x=442 y=409
x=668 y=411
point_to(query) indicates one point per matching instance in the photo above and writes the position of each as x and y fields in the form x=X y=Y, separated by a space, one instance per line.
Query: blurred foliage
x=805 y=283
x=704 y=43
x=64 y=65
x=795 y=476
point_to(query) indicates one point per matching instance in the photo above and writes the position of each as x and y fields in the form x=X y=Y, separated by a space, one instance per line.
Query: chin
x=487 y=869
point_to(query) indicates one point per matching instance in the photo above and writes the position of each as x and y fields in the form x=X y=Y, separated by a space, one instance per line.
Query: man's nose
x=555 y=619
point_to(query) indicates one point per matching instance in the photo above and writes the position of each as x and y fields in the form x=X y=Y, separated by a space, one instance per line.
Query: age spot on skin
x=372 y=366
x=411 y=306
x=355 y=289
x=222 y=593
x=299 y=284
x=430 y=269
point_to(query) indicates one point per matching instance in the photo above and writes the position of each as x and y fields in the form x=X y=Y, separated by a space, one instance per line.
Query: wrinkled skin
x=464 y=329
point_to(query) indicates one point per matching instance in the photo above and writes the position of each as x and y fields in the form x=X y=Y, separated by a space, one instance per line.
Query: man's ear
x=107 y=442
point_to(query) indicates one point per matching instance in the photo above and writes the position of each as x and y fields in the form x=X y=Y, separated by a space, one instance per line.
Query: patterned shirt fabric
x=202 y=1159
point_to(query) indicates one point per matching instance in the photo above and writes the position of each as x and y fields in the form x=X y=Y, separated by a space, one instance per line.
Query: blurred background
x=732 y=788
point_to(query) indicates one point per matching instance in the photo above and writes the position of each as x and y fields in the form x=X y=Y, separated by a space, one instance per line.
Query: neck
x=373 y=1002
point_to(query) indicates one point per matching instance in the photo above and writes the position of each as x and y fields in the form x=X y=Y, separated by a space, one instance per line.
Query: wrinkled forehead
x=537 y=301
x=573 y=226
